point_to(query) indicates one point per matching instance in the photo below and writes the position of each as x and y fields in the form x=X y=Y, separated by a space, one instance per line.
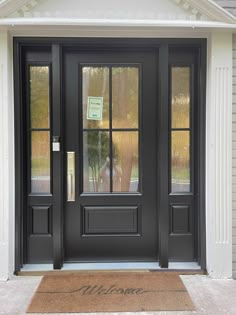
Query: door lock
x=55 y=143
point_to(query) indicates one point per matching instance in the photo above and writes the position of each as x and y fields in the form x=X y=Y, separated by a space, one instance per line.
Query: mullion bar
x=110 y=128
x=57 y=157
x=164 y=157
x=39 y=129
x=181 y=129
x=113 y=129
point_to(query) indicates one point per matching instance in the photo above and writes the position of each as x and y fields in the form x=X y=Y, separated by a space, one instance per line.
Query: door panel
x=110 y=157
x=183 y=180
x=114 y=215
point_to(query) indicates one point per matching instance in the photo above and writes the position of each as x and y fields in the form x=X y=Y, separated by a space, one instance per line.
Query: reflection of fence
x=180 y=186
x=133 y=186
x=40 y=184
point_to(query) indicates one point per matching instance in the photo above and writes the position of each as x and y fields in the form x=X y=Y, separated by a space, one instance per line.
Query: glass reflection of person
x=104 y=175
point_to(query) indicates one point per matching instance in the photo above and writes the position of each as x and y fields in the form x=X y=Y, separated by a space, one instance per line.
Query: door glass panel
x=95 y=97
x=180 y=98
x=125 y=97
x=180 y=161
x=110 y=157
x=125 y=161
x=39 y=96
x=40 y=161
x=96 y=174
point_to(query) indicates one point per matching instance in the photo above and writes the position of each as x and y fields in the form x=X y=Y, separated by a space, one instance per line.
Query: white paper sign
x=94 y=108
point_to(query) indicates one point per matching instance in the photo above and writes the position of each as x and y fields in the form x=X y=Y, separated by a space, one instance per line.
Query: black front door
x=126 y=180
x=110 y=154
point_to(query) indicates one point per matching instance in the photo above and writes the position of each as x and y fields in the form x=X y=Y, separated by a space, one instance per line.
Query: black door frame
x=56 y=45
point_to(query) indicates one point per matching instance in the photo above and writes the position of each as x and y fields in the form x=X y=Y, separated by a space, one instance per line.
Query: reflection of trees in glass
x=39 y=96
x=180 y=119
x=125 y=98
x=39 y=114
x=97 y=159
x=98 y=151
x=127 y=156
x=180 y=97
x=180 y=156
x=96 y=83
x=125 y=94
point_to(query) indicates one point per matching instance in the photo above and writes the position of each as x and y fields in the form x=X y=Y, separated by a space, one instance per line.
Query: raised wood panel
x=180 y=219
x=41 y=220
x=110 y=220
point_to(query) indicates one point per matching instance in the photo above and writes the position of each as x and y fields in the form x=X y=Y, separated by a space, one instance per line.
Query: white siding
x=234 y=156
x=229 y=5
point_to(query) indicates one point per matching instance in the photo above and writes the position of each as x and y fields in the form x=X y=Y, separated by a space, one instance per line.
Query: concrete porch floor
x=209 y=296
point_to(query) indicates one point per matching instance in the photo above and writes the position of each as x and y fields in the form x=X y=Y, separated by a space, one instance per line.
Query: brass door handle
x=70 y=176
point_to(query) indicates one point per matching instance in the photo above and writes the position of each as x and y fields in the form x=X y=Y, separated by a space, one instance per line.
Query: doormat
x=110 y=292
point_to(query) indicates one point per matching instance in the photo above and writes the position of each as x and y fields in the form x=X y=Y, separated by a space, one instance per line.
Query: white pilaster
x=219 y=156
x=7 y=193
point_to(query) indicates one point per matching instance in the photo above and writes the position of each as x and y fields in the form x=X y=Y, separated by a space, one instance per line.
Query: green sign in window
x=94 y=108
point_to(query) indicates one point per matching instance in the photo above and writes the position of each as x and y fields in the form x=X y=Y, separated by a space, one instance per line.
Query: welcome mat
x=110 y=292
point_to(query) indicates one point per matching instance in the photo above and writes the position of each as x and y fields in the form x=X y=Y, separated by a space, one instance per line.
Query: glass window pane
x=125 y=97
x=96 y=175
x=40 y=162
x=180 y=161
x=180 y=97
x=125 y=161
x=39 y=96
x=95 y=97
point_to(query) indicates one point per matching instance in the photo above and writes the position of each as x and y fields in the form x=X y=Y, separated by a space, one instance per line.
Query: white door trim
x=219 y=156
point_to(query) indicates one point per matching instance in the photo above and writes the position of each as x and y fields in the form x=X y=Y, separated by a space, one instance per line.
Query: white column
x=7 y=193
x=219 y=156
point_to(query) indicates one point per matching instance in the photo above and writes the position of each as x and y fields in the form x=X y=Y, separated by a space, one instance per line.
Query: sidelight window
x=39 y=129
x=180 y=129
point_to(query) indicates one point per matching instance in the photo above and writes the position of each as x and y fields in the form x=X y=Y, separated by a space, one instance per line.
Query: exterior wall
x=7 y=194
x=228 y=5
x=234 y=156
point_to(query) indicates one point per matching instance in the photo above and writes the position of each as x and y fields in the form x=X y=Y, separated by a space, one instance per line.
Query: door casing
x=56 y=45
